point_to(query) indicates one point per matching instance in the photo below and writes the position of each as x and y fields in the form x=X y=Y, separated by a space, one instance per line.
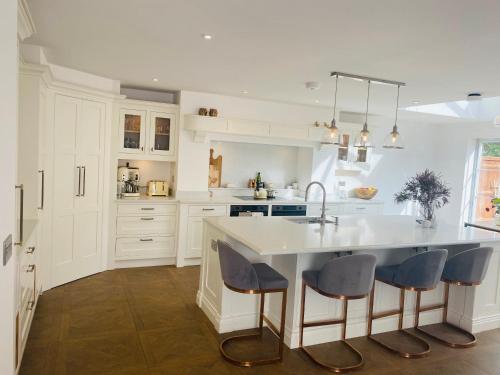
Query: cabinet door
x=132 y=131
x=89 y=148
x=162 y=134
x=194 y=237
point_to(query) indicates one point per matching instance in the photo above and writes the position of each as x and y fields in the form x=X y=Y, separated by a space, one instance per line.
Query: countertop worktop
x=197 y=199
x=484 y=224
x=276 y=235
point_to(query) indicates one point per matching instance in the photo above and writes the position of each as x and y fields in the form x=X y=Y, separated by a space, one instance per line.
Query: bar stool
x=467 y=268
x=418 y=273
x=241 y=276
x=345 y=278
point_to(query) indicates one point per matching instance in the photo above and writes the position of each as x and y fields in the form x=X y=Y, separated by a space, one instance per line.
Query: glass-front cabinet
x=132 y=131
x=161 y=133
x=147 y=133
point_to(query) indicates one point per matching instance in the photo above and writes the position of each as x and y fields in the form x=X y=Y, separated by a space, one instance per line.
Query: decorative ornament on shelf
x=429 y=191
x=393 y=139
x=213 y=112
x=202 y=111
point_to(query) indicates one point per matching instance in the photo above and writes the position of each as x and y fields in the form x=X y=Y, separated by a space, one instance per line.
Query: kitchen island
x=292 y=247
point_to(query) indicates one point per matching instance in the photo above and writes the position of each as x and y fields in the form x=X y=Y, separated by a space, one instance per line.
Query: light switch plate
x=7 y=249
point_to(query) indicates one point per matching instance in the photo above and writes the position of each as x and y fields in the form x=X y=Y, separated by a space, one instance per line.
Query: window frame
x=475 y=175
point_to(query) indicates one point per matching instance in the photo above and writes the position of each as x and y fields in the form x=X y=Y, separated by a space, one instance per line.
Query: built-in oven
x=249 y=209
x=289 y=210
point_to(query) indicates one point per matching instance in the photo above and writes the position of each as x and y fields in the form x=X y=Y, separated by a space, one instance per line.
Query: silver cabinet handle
x=208 y=209
x=79 y=181
x=30 y=306
x=147 y=208
x=147 y=218
x=152 y=149
x=146 y=240
x=30 y=250
x=142 y=148
x=21 y=214
x=42 y=193
x=30 y=268
x=84 y=180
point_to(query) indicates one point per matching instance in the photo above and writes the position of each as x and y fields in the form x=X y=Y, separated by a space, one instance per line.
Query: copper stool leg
x=262 y=319
x=400 y=312
x=343 y=321
x=470 y=339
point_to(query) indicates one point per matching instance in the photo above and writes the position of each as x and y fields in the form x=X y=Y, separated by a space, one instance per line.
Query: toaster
x=158 y=188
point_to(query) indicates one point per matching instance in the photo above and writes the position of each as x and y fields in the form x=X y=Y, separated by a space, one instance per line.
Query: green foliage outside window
x=491 y=149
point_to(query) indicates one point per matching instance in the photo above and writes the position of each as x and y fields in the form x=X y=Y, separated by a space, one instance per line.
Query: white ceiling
x=441 y=49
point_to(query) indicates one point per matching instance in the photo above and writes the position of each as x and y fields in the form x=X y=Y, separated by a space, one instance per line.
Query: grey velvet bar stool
x=241 y=276
x=345 y=278
x=418 y=273
x=467 y=268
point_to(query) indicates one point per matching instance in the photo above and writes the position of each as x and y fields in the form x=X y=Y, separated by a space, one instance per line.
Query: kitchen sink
x=312 y=220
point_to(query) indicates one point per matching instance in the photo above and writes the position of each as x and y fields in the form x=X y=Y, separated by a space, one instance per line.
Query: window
x=487 y=179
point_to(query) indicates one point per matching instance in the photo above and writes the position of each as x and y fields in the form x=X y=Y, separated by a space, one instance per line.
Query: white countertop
x=485 y=224
x=197 y=199
x=276 y=235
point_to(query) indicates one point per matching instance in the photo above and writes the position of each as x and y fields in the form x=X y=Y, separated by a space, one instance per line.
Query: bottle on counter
x=258 y=181
x=342 y=190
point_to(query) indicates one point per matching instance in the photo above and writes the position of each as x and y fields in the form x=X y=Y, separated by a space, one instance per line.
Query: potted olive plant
x=429 y=191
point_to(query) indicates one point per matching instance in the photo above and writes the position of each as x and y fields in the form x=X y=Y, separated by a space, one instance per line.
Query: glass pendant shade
x=394 y=139
x=331 y=135
x=364 y=138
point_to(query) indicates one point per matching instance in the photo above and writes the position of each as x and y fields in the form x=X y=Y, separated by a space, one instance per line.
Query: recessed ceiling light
x=207 y=36
x=244 y=91
x=416 y=102
x=155 y=79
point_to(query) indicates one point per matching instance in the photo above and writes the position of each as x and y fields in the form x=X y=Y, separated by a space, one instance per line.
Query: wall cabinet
x=145 y=230
x=147 y=131
x=191 y=230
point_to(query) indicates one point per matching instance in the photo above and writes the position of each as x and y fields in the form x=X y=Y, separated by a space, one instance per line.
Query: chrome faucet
x=323 y=209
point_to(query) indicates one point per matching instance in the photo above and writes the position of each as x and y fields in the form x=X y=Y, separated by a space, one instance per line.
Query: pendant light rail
x=366 y=78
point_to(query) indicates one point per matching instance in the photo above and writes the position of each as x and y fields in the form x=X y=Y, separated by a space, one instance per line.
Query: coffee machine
x=128 y=181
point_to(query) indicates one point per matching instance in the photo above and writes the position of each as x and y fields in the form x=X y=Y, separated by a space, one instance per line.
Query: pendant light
x=393 y=139
x=331 y=135
x=363 y=140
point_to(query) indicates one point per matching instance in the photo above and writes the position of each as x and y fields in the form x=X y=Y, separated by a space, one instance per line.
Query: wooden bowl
x=366 y=192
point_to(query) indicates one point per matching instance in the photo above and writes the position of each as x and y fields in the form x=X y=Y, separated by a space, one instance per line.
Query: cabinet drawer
x=353 y=209
x=147 y=209
x=145 y=247
x=218 y=210
x=144 y=225
x=330 y=209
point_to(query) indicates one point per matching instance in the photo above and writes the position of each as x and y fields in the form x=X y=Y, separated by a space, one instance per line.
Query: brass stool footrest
x=398 y=348
x=337 y=369
x=246 y=363
x=441 y=330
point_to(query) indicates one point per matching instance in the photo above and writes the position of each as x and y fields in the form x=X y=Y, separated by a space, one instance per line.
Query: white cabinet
x=78 y=184
x=147 y=130
x=145 y=230
x=363 y=208
x=347 y=208
x=191 y=230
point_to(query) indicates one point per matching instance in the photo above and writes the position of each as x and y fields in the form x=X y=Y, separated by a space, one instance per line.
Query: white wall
x=8 y=151
x=242 y=161
x=455 y=155
x=388 y=169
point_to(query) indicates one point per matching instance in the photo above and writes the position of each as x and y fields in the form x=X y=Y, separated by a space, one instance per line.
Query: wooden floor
x=145 y=321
